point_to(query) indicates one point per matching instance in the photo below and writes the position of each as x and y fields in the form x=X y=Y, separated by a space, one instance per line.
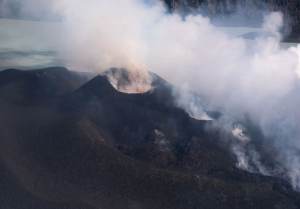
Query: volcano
x=70 y=142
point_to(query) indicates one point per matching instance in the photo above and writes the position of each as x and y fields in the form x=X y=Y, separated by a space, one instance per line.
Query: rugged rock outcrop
x=248 y=12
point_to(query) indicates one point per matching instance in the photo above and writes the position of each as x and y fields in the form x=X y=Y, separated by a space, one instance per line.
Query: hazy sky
x=33 y=44
x=29 y=44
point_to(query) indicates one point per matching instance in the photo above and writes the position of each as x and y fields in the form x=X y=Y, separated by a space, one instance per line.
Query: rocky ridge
x=246 y=13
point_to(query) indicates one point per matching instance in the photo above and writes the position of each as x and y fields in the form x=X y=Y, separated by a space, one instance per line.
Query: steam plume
x=257 y=84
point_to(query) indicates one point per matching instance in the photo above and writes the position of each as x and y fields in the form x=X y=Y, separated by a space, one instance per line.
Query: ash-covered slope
x=99 y=148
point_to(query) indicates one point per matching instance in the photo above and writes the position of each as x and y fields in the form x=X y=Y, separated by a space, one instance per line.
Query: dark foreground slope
x=100 y=148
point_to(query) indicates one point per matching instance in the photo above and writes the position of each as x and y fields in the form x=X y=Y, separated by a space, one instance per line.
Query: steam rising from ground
x=256 y=88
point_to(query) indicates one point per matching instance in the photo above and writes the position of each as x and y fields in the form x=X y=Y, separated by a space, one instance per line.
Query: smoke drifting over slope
x=256 y=88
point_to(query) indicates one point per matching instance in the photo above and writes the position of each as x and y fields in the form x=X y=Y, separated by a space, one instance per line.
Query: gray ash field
x=67 y=142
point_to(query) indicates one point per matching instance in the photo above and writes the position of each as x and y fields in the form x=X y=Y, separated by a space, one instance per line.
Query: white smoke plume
x=258 y=80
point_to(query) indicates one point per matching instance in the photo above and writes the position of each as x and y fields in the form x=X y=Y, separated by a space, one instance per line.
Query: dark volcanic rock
x=55 y=81
x=7 y=76
x=129 y=117
x=100 y=148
